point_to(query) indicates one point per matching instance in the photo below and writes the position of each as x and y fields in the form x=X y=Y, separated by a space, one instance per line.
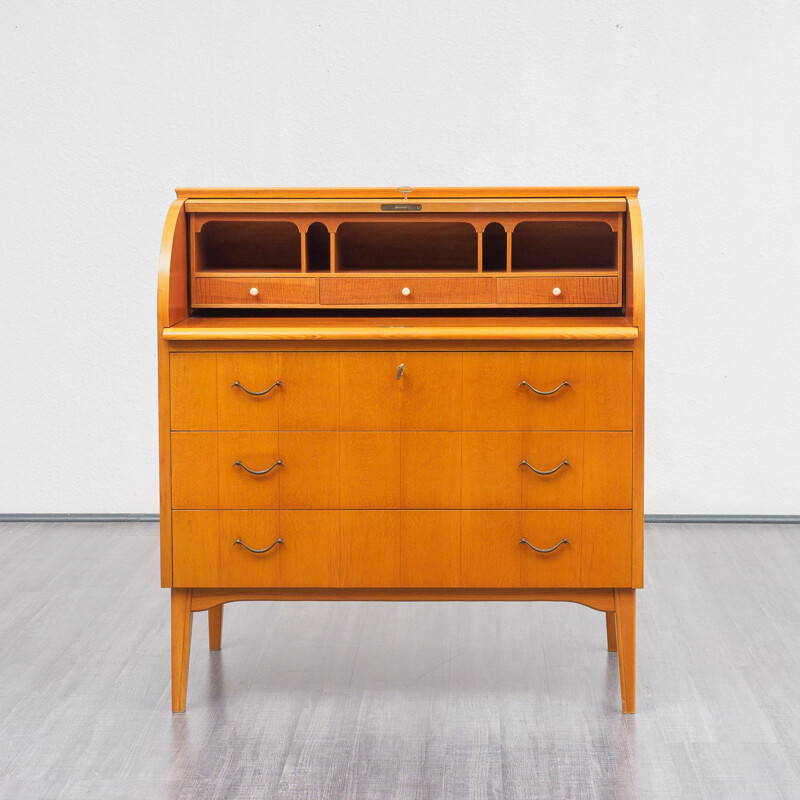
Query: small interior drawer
x=406 y=291
x=555 y=291
x=255 y=291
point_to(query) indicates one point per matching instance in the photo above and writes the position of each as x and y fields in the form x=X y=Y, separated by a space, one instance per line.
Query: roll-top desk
x=401 y=394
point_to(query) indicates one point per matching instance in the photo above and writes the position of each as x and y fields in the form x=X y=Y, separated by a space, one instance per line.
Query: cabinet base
x=619 y=606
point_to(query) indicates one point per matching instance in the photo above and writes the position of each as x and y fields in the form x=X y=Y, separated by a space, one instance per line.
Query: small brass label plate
x=401 y=207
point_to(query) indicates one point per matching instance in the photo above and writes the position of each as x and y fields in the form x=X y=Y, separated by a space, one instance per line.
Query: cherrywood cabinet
x=370 y=396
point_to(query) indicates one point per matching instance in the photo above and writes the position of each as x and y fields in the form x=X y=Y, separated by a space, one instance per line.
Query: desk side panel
x=173 y=306
x=635 y=309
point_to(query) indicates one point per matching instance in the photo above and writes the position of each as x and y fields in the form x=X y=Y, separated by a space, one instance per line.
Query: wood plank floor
x=370 y=700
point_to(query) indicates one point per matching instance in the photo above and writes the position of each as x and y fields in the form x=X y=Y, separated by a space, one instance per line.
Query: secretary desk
x=402 y=394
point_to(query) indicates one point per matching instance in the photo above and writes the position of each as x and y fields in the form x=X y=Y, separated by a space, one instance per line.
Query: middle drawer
x=401 y=469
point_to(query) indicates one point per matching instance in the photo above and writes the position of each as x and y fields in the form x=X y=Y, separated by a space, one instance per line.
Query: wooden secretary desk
x=401 y=394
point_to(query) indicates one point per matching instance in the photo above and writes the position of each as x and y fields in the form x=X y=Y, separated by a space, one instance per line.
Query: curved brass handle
x=543 y=549
x=545 y=394
x=278 y=463
x=255 y=394
x=524 y=463
x=255 y=549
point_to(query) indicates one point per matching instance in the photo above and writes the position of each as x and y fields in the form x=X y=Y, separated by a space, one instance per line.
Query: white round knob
x=406 y=291
x=556 y=291
x=254 y=292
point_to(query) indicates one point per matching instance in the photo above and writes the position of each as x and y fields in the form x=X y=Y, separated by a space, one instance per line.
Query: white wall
x=105 y=107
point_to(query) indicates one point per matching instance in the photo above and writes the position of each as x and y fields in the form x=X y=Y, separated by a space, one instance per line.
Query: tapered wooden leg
x=181 y=643
x=611 y=631
x=625 y=610
x=215 y=627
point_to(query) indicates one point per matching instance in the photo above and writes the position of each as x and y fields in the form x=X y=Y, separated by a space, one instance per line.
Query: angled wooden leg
x=611 y=631
x=625 y=610
x=181 y=643
x=215 y=627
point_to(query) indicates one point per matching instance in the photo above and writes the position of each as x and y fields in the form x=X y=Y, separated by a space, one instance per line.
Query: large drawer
x=409 y=469
x=402 y=549
x=401 y=391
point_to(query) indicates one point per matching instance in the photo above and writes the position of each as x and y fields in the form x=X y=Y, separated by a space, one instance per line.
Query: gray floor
x=425 y=700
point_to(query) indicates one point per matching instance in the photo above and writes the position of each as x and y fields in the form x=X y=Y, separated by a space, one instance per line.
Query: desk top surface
x=402 y=328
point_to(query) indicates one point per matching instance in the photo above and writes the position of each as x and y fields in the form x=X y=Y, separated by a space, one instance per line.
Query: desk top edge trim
x=399 y=333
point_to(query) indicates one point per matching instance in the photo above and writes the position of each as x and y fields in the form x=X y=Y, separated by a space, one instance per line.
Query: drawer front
x=596 y=553
x=420 y=549
x=305 y=470
x=392 y=291
x=220 y=291
x=435 y=391
x=547 y=391
x=559 y=291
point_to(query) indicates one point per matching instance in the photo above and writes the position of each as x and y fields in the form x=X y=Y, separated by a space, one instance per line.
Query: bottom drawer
x=382 y=549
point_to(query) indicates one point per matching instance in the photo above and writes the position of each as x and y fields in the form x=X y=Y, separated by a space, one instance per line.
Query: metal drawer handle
x=255 y=549
x=255 y=394
x=545 y=394
x=524 y=463
x=278 y=463
x=544 y=549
